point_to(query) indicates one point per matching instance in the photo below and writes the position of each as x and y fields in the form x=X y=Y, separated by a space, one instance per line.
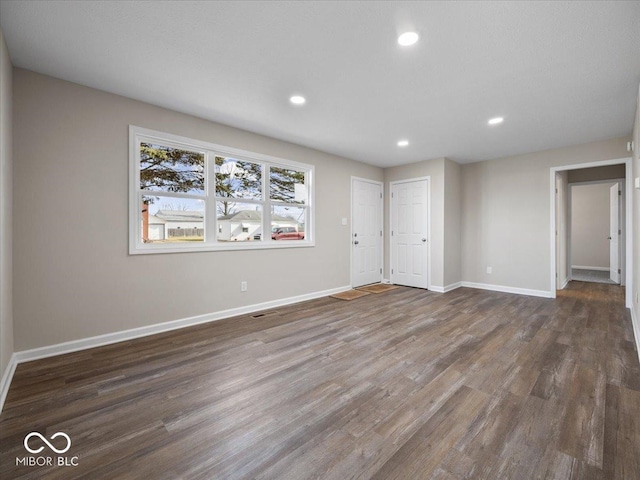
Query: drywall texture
x=506 y=214
x=6 y=162
x=73 y=277
x=590 y=225
x=608 y=172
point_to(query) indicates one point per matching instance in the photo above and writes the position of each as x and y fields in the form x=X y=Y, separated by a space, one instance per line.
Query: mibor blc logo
x=55 y=435
x=43 y=461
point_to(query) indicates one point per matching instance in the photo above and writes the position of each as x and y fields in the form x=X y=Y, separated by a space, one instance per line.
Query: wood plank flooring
x=405 y=384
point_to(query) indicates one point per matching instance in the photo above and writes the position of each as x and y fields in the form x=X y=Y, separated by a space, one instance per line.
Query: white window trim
x=136 y=246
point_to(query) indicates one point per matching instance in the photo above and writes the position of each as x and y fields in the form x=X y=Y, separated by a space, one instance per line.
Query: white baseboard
x=452 y=286
x=109 y=338
x=445 y=289
x=566 y=282
x=386 y=280
x=501 y=288
x=635 y=322
x=582 y=267
x=6 y=379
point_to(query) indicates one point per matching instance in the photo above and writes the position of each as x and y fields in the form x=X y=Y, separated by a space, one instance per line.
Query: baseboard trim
x=501 y=288
x=124 y=335
x=452 y=286
x=6 y=379
x=635 y=323
x=582 y=267
x=566 y=282
x=386 y=280
x=445 y=289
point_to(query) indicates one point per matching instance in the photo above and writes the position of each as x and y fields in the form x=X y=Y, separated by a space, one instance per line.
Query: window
x=188 y=195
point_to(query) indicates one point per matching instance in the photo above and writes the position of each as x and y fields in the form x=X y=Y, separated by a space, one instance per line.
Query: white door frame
x=376 y=182
x=628 y=220
x=623 y=251
x=407 y=180
x=567 y=227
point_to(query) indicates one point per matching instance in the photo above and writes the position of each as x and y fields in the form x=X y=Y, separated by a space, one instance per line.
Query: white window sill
x=146 y=249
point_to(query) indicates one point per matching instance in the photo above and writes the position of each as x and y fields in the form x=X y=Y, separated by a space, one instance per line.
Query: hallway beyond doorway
x=594 y=276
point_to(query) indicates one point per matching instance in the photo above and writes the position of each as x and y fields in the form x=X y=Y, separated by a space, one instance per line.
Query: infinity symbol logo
x=55 y=435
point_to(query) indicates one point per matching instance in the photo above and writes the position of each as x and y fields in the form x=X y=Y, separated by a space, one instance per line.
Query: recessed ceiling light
x=403 y=143
x=496 y=121
x=298 y=100
x=408 y=38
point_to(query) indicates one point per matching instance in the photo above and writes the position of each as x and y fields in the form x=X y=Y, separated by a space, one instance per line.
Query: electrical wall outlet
x=243 y=286
x=489 y=270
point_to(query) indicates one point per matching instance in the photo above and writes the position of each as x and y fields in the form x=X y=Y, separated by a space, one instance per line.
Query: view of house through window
x=200 y=196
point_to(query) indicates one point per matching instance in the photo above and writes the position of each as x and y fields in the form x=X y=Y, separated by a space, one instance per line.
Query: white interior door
x=410 y=233
x=366 y=232
x=614 y=233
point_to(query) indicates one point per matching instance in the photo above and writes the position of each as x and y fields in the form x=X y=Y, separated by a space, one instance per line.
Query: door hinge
x=380 y=270
x=619 y=232
x=392 y=195
x=392 y=233
x=619 y=192
x=380 y=194
x=392 y=270
x=556 y=190
x=619 y=271
x=380 y=232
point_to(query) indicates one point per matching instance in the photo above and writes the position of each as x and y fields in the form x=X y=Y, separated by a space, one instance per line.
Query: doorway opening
x=596 y=233
x=580 y=229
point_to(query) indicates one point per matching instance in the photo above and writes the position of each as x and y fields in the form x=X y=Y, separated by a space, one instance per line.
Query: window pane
x=239 y=222
x=172 y=220
x=287 y=185
x=170 y=169
x=238 y=179
x=288 y=223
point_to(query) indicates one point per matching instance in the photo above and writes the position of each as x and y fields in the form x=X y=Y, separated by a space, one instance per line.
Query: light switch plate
x=344 y=221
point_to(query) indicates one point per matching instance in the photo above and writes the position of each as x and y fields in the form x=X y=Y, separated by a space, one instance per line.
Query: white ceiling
x=561 y=73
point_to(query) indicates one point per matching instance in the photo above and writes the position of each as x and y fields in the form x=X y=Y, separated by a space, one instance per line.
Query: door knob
x=356 y=242
x=608 y=238
x=424 y=239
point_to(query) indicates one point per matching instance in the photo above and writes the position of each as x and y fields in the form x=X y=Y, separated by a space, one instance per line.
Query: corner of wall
x=7 y=364
x=452 y=222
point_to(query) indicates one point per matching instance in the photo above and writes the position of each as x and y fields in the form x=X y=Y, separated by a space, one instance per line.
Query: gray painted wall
x=452 y=222
x=6 y=163
x=506 y=213
x=73 y=277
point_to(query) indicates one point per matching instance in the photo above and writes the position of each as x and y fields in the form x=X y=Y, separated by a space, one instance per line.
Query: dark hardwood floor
x=405 y=384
